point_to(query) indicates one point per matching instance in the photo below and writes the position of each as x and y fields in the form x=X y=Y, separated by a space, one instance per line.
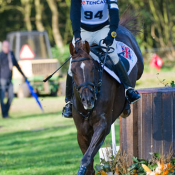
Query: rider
x=90 y=22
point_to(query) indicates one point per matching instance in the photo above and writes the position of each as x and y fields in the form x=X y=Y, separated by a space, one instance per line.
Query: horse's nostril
x=83 y=99
x=92 y=98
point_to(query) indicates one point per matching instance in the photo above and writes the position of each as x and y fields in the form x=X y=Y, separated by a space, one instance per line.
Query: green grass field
x=153 y=78
x=38 y=143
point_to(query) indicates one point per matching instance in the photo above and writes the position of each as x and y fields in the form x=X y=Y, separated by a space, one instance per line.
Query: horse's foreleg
x=84 y=142
x=100 y=131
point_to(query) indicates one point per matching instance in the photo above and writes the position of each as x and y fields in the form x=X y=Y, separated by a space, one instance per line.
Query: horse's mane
x=130 y=21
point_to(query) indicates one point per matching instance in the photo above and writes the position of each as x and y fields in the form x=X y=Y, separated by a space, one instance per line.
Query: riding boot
x=67 y=110
x=131 y=95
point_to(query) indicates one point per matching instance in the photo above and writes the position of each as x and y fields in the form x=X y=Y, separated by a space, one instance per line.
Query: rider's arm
x=114 y=15
x=75 y=16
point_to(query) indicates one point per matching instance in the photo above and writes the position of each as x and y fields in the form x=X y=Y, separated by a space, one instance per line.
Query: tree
x=55 y=23
x=163 y=25
x=54 y=16
x=38 y=16
x=27 y=13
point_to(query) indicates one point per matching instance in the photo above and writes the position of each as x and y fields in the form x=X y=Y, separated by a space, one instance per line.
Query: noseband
x=88 y=85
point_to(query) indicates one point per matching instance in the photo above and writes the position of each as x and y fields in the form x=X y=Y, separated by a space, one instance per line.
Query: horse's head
x=83 y=71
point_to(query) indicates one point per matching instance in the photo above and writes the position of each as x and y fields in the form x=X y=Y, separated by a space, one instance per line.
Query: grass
x=35 y=143
x=155 y=78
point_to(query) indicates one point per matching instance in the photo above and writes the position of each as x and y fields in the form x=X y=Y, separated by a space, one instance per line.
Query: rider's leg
x=130 y=93
x=119 y=68
x=67 y=110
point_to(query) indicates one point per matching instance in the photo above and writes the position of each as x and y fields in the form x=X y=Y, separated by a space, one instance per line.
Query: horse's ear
x=71 y=49
x=87 y=47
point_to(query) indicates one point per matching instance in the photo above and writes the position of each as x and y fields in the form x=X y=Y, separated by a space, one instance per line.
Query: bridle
x=94 y=88
x=85 y=84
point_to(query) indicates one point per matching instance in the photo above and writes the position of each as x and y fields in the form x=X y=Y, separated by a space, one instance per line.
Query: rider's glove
x=108 y=40
x=78 y=44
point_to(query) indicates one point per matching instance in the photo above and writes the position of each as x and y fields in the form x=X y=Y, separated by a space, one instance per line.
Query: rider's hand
x=108 y=40
x=78 y=44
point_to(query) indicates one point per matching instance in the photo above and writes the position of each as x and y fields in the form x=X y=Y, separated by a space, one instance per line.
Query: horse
x=98 y=100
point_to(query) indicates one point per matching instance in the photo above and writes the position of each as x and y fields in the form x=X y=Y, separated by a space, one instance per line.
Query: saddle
x=99 y=52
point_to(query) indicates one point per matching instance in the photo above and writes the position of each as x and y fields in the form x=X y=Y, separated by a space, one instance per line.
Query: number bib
x=94 y=12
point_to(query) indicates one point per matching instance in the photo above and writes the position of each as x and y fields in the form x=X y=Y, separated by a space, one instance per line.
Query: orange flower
x=103 y=173
x=135 y=170
x=165 y=172
x=117 y=170
x=169 y=165
x=162 y=165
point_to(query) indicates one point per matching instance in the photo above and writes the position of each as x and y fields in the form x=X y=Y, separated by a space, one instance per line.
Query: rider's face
x=5 y=47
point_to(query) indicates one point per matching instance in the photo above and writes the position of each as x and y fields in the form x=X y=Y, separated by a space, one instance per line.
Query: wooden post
x=114 y=150
x=151 y=125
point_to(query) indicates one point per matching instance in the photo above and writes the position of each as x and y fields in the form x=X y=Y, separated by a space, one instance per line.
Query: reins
x=96 y=87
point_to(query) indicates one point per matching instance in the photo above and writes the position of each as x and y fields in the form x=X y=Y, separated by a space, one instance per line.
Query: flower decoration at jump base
x=162 y=169
x=118 y=165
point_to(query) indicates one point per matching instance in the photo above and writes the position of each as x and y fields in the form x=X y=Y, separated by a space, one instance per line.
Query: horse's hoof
x=82 y=170
x=126 y=112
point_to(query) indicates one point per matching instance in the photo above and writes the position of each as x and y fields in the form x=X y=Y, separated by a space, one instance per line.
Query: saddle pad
x=127 y=53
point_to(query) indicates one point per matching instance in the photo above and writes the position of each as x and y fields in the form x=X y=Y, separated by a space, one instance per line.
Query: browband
x=79 y=59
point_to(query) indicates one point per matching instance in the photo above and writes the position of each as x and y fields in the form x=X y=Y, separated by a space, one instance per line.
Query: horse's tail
x=130 y=21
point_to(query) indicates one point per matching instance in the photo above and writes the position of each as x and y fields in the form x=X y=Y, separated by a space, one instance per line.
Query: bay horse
x=98 y=101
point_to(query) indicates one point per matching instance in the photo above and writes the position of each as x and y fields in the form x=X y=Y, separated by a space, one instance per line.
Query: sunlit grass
x=155 y=79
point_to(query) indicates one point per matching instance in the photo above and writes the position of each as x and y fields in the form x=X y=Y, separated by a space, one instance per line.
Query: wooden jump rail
x=151 y=125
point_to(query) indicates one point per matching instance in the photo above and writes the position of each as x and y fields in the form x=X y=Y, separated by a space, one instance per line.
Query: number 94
x=89 y=15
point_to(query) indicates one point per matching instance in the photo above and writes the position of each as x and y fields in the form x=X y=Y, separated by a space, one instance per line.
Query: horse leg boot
x=131 y=94
x=67 y=110
x=100 y=132
x=85 y=171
